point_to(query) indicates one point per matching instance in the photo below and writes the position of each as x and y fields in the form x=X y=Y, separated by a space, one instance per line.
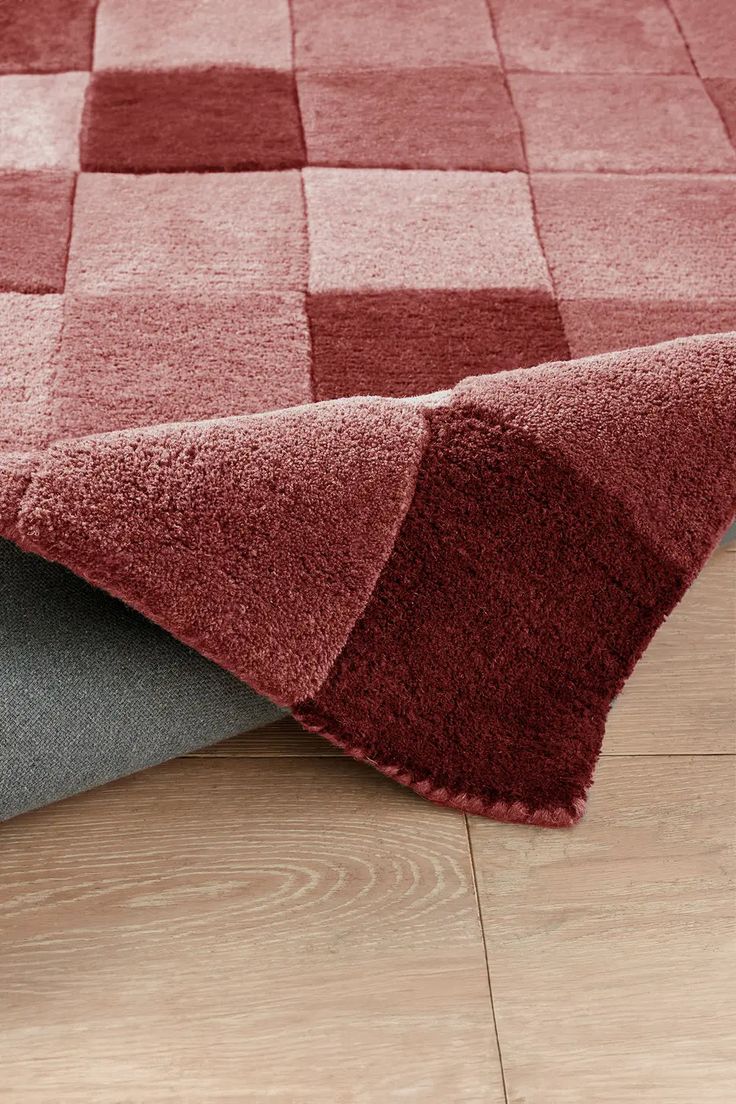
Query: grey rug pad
x=90 y=690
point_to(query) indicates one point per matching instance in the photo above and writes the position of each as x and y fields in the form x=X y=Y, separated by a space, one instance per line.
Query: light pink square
x=356 y=33
x=40 y=116
x=131 y=360
x=377 y=229
x=185 y=231
x=622 y=122
x=164 y=34
x=589 y=36
x=657 y=237
x=709 y=27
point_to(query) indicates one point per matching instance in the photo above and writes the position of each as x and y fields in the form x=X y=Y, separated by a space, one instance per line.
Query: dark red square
x=34 y=230
x=50 y=37
x=191 y=120
x=408 y=342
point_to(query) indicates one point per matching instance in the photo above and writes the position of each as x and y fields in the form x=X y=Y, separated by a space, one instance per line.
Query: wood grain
x=283 y=737
x=612 y=947
x=681 y=697
x=288 y=930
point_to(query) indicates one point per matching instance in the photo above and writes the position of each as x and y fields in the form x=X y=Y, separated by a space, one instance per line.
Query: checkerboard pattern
x=211 y=207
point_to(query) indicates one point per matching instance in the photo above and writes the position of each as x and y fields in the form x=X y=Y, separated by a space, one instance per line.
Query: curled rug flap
x=453 y=588
x=257 y=540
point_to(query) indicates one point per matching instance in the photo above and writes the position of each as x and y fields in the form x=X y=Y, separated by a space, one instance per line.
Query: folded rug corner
x=452 y=588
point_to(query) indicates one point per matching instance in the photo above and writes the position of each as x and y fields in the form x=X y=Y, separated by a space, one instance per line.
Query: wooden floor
x=272 y=923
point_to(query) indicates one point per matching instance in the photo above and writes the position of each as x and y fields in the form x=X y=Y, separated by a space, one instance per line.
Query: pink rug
x=216 y=216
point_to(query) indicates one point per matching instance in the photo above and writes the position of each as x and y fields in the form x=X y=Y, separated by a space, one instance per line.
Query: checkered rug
x=215 y=214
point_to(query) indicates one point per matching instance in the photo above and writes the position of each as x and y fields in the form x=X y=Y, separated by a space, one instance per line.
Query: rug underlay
x=92 y=690
x=371 y=362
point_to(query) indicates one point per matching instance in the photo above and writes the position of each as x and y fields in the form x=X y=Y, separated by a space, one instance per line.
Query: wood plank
x=285 y=930
x=681 y=697
x=283 y=737
x=612 y=946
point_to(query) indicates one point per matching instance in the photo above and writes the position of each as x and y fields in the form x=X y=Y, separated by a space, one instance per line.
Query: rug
x=372 y=361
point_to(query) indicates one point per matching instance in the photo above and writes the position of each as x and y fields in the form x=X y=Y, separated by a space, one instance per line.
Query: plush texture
x=521 y=645
x=39 y=120
x=330 y=377
x=53 y=38
x=450 y=118
x=34 y=235
x=592 y=36
x=621 y=123
x=240 y=119
x=159 y=34
x=236 y=534
x=722 y=91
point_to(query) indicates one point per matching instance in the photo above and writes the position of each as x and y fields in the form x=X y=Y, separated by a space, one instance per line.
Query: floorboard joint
x=485 y=954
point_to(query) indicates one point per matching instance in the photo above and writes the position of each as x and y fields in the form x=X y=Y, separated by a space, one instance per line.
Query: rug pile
x=352 y=362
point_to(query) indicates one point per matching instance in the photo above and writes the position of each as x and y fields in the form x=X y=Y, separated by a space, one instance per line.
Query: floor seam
x=479 y=913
